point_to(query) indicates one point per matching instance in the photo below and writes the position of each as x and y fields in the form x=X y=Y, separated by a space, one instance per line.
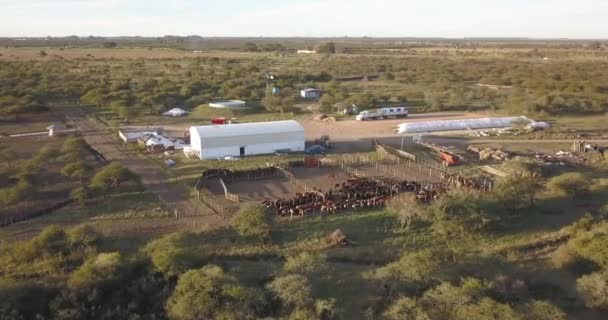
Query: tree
x=252 y=221
x=209 y=293
x=122 y=110
x=591 y=245
x=486 y=309
x=110 y=45
x=571 y=184
x=542 y=310
x=7 y=155
x=103 y=268
x=458 y=212
x=594 y=290
x=169 y=255
x=326 y=47
x=406 y=309
x=272 y=103
x=516 y=192
x=292 y=290
x=443 y=301
x=77 y=170
x=327 y=101
x=250 y=47
x=73 y=148
x=305 y=263
x=112 y=176
x=407 y=210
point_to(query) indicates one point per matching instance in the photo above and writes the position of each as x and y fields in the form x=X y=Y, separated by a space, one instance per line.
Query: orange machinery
x=447 y=158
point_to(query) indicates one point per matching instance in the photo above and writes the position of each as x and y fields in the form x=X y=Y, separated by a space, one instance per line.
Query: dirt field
x=350 y=135
x=270 y=189
x=353 y=129
x=400 y=171
x=322 y=178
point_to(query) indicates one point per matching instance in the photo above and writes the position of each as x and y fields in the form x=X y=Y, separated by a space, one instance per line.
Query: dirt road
x=353 y=129
x=153 y=177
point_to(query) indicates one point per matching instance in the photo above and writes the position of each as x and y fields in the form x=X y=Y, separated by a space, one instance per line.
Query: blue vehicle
x=316 y=149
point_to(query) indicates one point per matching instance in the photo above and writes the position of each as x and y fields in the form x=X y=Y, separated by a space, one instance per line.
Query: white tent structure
x=244 y=139
x=175 y=112
x=466 y=124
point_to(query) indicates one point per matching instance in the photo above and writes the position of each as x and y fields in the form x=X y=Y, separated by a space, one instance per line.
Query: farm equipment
x=448 y=159
x=221 y=120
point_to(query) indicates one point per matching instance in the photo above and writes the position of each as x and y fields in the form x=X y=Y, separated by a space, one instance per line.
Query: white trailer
x=383 y=113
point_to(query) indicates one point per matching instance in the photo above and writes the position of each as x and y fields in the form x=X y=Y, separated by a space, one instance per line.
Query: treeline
x=130 y=87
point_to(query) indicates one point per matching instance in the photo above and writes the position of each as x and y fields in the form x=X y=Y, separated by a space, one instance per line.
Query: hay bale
x=485 y=154
x=473 y=149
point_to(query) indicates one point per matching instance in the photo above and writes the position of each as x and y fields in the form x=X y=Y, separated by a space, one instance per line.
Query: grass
x=127 y=206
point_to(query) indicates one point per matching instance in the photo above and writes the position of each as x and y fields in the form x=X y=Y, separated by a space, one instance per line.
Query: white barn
x=244 y=139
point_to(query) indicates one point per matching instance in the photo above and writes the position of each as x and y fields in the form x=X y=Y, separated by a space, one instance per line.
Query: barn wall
x=252 y=149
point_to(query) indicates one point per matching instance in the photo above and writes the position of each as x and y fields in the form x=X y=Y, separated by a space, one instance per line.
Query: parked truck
x=383 y=113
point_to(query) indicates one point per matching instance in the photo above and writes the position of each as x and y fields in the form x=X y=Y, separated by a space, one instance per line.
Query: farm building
x=218 y=141
x=311 y=93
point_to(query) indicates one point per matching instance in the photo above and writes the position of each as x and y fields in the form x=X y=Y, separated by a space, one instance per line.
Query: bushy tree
x=7 y=155
x=516 y=192
x=293 y=291
x=407 y=209
x=326 y=47
x=77 y=170
x=101 y=269
x=112 y=177
x=459 y=212
x=209 y=293
x=542 y=310
x=486 y=309
x=406 y=308
x=593 y=288
x=169 y=254
x=571 y=184
x=252 y=221
x=305 y=263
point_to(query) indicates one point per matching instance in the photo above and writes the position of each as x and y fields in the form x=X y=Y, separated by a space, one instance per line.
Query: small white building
x=311 y=93
x=306 y=52
x=244 y=139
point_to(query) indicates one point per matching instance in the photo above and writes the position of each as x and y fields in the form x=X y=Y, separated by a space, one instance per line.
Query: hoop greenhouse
x=468 y=124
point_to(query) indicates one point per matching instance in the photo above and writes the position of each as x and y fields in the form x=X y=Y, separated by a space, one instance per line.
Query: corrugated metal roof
x=245 y=129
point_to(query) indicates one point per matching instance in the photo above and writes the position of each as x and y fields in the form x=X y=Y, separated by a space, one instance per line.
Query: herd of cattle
x=355 y=193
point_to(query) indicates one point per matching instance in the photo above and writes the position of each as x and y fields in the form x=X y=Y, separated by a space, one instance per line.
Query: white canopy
x=175 y=112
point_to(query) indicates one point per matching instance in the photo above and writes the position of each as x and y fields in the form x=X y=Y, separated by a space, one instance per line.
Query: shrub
x=593 y=289
x=542 y=310
x=292 y=290
x=305 y=263
x=572 y=184
x=169 y=255
x=103 y=268
x=252 y=221
x=209 y=293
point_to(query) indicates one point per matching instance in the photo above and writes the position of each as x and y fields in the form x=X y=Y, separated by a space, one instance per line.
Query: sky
x=576 y=19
